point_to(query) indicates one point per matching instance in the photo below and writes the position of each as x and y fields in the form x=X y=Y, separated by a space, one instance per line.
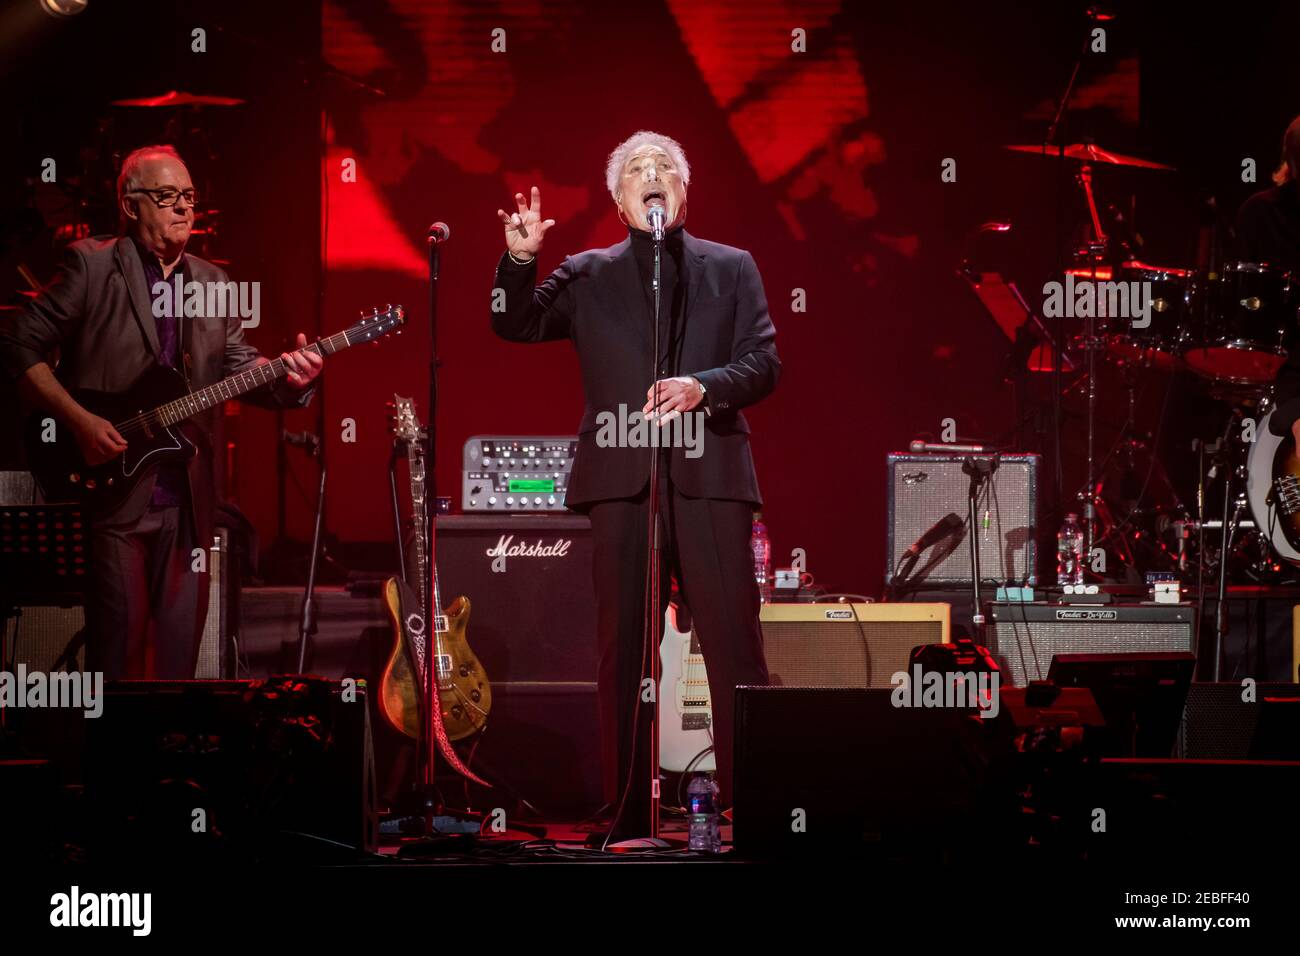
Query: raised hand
x=525 y=228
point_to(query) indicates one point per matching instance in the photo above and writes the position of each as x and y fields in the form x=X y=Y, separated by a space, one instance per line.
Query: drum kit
x=1231 y=325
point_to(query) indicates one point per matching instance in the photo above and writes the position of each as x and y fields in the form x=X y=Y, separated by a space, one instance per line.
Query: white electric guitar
x=685 y=708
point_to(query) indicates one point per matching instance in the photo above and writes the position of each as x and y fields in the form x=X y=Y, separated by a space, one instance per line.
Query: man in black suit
x=111 y=317
x=717 y=355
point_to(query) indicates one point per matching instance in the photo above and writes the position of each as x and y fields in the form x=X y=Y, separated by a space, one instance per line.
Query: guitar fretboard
x=187 y=406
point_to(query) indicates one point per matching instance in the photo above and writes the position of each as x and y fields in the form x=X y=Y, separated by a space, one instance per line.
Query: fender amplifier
x=1024 y=638
x=846 y=645
x=924 y=489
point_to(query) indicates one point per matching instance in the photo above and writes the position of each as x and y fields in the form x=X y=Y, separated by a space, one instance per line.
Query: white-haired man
x=108 y=313
x=717 y=355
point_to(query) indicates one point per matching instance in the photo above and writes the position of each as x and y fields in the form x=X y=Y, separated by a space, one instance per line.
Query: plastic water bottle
x=1069 y=552
x=762 y=547
x=702 y=802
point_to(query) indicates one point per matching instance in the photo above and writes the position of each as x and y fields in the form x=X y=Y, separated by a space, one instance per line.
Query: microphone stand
x=307 y=612
x=655 y=618
x=438 y=234
x=652 y=621
x=980 y=470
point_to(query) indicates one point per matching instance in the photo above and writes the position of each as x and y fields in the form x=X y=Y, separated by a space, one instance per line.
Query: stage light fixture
x=63 y=8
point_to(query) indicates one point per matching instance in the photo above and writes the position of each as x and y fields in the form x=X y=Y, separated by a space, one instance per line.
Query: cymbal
x=176 y=98
x=1091 y=153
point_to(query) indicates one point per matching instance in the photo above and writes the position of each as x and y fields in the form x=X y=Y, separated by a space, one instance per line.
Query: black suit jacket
x=98 y=313
x=725 y=339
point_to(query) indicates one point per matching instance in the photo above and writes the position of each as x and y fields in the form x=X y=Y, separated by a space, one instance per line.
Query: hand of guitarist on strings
x=98 y=440
x=303 y=365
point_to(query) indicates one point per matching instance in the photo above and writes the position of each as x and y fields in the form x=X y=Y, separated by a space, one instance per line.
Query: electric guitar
x=463 y=693
x=1273 y=489
x=686 y=717
x=153 y=416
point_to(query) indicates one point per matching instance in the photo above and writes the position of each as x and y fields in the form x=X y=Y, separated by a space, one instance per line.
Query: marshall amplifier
x=846 y=645
x=532 y=624
x=1025 y=637
x=926 y=489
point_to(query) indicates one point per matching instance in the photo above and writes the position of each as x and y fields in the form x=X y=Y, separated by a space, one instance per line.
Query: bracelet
x=519 y=262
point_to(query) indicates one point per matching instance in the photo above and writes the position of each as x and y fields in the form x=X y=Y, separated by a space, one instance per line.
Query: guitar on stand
x=685 y=730
x=433 y=689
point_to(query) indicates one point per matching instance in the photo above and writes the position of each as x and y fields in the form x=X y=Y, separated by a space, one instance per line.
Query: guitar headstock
x=376 y=324
x=405 y=420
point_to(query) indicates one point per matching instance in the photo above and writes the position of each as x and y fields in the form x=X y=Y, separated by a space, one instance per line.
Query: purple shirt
x=169 y=490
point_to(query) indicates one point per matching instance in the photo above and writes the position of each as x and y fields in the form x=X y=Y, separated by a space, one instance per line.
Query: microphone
x=941 y=529
x=439 y=232
x=303 y=439
x=656 y=218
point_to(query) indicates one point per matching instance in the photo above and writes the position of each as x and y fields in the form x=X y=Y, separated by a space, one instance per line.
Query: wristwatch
x=704 y=395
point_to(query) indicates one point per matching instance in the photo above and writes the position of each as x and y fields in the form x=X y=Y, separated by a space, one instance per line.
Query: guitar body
x=399 y=687
x=685 y=709
x=62 y=472
x=463 y=687
x=1273 y=489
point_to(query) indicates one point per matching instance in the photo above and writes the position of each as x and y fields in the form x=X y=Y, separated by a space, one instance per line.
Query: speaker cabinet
x=1220 y=723
x=266 y=762
x=862 y=776
x=846 y=645
x=533 y=626
x=923 y=489
x=1025 y=637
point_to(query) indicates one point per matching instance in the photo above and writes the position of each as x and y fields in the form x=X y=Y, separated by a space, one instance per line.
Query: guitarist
x=719 y=357
x=145 y=607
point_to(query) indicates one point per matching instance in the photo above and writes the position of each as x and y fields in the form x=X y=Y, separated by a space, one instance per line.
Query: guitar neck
x=191 y=404
x=425 y=570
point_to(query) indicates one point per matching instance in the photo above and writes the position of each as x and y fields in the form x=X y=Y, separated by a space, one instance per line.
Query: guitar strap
x=435 y=698
x=444 y=742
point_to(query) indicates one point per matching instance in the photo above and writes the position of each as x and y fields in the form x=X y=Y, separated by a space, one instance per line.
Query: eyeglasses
x=168 y=197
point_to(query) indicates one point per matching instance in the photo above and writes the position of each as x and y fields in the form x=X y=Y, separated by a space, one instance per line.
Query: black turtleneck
x=671 y=299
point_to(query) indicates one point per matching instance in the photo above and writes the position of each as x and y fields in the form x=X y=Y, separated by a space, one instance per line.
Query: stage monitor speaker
x=846 y=645
x=1024 y=638
x=923 y=489
x=862 y=776
x=1234 y=721
x=274 y=765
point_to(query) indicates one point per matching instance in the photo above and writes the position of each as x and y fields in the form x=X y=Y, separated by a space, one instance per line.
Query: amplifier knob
x=510 y=501
x=537 y=501
x=551 y=500
x=492 y=500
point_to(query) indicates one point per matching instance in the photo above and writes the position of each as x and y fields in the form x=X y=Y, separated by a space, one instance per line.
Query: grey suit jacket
x=98 y=313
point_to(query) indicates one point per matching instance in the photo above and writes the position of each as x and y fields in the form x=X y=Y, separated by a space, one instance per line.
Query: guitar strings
x=276 y=366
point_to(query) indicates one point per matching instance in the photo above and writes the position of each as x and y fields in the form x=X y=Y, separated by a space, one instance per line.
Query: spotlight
x=63 y=8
